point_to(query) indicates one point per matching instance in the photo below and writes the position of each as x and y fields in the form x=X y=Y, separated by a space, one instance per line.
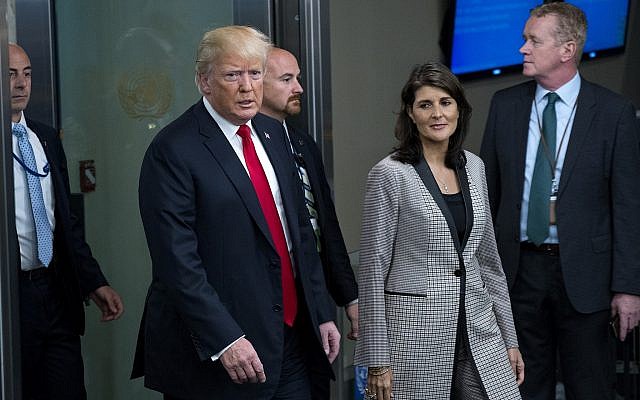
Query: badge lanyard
x=553 y=160
x=45 y=169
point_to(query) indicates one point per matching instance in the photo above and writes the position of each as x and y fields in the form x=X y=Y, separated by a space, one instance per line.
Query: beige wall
x=371 y=59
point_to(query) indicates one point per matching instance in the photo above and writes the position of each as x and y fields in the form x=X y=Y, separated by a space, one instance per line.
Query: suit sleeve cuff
x=352 y=302
x=216 y=356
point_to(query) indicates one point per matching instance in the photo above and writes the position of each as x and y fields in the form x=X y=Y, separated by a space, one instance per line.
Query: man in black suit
x=57 y=270
x=237 y=298
x=562 y=165
x=282 y=91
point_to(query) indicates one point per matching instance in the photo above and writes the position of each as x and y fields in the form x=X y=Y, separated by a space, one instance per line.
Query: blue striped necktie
x=44 y=235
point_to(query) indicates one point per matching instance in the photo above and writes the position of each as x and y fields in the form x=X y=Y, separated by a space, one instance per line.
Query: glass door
x=125 y=70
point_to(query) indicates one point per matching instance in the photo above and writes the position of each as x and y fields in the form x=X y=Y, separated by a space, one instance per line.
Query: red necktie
x=268 y=205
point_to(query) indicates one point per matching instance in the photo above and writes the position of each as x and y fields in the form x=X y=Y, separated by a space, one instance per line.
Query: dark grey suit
x=598 y=205
x=338 y=274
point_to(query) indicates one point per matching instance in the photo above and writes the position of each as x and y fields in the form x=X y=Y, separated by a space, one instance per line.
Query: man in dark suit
x=57 y=270
x=282 y=91
x=237 y=297
x=562 y=165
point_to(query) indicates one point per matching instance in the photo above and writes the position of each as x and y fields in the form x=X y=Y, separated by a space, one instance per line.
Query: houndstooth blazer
x=409 y=291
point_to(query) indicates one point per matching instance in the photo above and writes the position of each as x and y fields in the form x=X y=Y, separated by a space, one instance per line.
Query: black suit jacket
x=338 y=274
x=216 y=273
x=598 y=205
x=75 y=268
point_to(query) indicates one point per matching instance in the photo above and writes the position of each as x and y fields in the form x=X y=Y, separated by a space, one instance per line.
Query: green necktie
x=538 y=217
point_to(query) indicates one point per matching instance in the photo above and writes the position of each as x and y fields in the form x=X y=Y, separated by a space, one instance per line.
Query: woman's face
x=435 y=114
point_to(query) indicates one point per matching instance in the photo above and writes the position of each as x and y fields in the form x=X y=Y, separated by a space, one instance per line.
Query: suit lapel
x=226 y=157
x=279 y=152
x=56 y=179
x=521 y=132
x=423 y=170
x=303 y=154
x=468 y=205
x=586 y=102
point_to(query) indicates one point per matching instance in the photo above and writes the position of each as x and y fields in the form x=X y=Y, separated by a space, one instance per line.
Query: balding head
x=20 y=80
x=282 y=87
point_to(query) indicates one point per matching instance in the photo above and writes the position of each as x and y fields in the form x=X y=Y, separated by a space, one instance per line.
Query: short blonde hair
x=572 y=23
x=244 y=42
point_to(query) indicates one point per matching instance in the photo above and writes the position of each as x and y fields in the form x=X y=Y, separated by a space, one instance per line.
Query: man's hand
x=109 y=302
x=242 y=363
x=627 y=308
x=517 y=365
x=352 y=314
x=330 y=340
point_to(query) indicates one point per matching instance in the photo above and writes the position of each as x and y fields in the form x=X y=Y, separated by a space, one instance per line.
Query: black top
x=455 y=202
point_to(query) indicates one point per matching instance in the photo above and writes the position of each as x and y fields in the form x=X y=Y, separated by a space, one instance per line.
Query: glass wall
x=125 y=70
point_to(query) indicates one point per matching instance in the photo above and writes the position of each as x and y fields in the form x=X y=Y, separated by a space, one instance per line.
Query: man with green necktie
x=562 y=162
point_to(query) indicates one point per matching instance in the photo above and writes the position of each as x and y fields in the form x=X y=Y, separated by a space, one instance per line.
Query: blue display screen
x=607 y=20
x=488 y=34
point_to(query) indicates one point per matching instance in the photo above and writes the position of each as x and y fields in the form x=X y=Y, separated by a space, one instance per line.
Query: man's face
x=542 y=53
x=282 y=88
x=20 y=81
x=234 y=88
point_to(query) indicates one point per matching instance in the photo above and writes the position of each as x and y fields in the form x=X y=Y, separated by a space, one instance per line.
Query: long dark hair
x=409 y=148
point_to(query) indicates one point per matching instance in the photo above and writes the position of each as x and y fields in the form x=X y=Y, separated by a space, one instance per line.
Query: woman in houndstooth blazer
x=435 y=316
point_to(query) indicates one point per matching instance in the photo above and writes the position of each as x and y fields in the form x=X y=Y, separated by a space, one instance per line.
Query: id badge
x=552 y=201
x=552 y=209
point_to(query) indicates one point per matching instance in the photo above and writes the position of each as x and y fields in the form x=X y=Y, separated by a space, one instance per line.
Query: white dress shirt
x=230 y=132
x=565 y=113
x=25 y=225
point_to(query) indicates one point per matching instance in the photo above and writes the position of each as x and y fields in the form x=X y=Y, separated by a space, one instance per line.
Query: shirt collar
x=227 y=127
x=568 y=92
x=23 y=121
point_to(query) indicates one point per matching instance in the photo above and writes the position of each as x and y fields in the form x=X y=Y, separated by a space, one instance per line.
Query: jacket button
x=277 y=308
x=458 y=272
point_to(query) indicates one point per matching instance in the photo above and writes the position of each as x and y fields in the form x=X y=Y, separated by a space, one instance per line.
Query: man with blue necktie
x=57 y=270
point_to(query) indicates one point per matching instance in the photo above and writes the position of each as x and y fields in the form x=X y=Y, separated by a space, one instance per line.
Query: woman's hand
x=517 y=365
x=379 y=383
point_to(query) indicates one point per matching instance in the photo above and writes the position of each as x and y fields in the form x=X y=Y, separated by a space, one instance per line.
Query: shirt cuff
x=352 y=302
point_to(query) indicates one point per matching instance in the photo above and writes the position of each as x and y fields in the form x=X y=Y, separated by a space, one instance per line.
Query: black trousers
x=465 y=383
x=52 y=365
x=320 y=384
x=548 y=326
x=294 y=376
